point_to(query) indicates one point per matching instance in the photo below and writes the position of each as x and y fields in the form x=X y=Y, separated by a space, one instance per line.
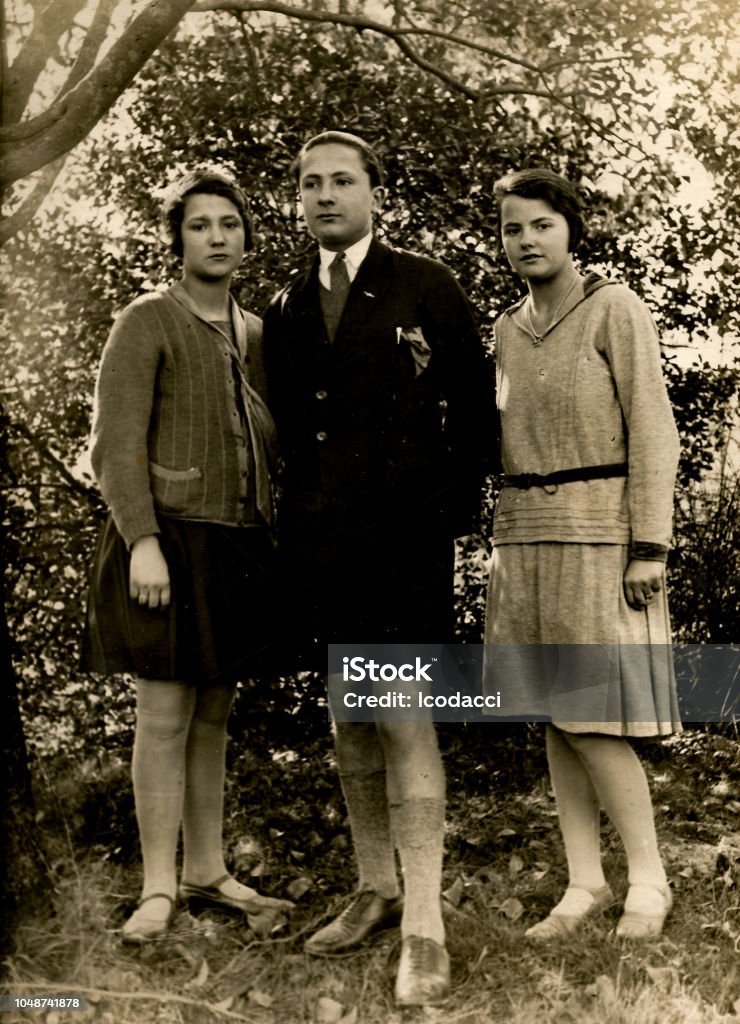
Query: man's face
x=338 y=199
x=212 y=237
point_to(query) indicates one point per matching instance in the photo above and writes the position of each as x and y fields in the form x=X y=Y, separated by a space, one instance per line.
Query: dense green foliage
x=249 y=102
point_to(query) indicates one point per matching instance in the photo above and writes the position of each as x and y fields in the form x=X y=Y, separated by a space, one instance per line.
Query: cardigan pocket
x=175 y=490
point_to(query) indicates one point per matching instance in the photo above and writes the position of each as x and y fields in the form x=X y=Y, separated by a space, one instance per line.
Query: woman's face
x=212 y=237
x=535 y=238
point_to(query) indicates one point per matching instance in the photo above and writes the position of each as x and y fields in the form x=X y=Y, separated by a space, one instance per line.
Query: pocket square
x=418 y=345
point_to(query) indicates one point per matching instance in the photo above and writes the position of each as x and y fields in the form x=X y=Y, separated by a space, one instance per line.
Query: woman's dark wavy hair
x=370 y=159
x=206 y=179
x=541 y=183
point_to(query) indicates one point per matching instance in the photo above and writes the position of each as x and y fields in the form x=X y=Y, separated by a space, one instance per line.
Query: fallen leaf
x=505 y=832
x=487 y=874
x=248 y=847
x=266 y=922
x=298 y=855
x=328 y=1011
x=664 y=978
x=225 y=1004
x=260 y=998
x=186 y=954
x=349 y=1018
x=454 y=894
x=515 y=864
x=606 y=990
x=201 y=977
x=299 y=887
x=512 y=908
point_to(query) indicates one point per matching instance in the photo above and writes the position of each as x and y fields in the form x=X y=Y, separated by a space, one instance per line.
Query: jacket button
x=321 y=395
x=321 y=435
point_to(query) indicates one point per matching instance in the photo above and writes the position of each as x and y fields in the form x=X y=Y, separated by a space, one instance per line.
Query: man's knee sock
x=367 y=807
x=418 y=829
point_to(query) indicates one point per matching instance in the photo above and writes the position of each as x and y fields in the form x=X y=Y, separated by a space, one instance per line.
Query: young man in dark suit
x=383 y=402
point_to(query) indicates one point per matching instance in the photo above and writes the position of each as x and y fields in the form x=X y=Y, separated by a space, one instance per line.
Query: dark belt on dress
x=565 y=476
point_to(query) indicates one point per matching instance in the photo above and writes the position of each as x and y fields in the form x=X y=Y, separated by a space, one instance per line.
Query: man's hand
x=149 y=581
x=643 y=579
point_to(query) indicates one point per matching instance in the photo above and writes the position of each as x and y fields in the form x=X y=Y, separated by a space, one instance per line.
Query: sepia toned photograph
x=370 y=507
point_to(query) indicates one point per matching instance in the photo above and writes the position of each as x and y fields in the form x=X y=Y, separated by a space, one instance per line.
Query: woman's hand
x=149 y=581
x=643 y=578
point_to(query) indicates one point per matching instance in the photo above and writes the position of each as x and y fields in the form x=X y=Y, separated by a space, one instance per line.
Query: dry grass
x=504 y=868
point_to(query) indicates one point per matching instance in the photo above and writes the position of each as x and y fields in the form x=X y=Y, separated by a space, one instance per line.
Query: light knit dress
x=563 y=644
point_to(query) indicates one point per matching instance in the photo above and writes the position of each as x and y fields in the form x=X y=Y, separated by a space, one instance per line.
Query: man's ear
x=379 y=194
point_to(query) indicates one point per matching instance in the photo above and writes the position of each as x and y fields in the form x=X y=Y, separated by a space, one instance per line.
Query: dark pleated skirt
x=221 y=623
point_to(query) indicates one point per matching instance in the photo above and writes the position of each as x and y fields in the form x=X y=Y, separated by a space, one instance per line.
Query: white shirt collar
x=353 y=256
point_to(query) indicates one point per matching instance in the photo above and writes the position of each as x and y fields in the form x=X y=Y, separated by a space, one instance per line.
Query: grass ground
x=504 y=868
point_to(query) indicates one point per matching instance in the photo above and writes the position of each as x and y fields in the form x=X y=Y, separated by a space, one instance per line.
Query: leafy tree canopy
x=246 y=91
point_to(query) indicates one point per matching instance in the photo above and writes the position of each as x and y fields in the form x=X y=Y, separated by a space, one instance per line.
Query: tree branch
x=48 y=25
x=72 y=116
x=94 y=39
x=16 y=221
x=361 y=23
x=88 y=493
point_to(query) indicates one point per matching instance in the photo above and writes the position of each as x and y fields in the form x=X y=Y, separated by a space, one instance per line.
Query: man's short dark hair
x=541 y=183
x=370 y=159
x=206 y=179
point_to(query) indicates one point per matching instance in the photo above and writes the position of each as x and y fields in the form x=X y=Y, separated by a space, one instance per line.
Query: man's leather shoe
x=423 y=977
x=367 y=914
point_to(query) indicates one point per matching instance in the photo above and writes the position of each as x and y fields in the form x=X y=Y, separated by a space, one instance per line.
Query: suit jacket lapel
x=373 y=279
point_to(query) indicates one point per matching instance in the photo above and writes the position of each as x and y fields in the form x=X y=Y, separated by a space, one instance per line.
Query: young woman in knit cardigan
x=581 y=532
x=181 y=586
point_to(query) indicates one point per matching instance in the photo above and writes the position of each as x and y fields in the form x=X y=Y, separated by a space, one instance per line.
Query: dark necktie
x=333 y=301
x=339 y=277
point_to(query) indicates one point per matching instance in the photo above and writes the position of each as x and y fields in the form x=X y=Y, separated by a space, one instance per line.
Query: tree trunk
x=24 y=881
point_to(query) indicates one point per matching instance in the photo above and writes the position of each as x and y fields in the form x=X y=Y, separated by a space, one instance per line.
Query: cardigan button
x=321 y=435
x=321 y=395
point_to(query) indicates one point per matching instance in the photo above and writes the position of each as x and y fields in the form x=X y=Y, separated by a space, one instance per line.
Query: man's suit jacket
x=393 y=421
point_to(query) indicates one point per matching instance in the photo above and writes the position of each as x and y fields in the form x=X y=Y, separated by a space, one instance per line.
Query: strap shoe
x=217 y=895
x=578 y=904
x=141 y=928
x=645 y=910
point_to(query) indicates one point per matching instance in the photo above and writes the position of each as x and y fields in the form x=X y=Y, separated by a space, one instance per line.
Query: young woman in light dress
x=577 y=621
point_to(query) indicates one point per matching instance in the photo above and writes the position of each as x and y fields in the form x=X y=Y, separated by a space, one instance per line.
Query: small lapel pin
x=369 y=295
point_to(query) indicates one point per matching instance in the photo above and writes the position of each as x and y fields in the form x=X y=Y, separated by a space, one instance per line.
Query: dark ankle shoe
x=366 y=914
x=423 y=973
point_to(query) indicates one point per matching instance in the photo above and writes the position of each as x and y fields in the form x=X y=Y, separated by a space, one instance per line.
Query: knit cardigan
x=168 y=433
x=591 y=393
